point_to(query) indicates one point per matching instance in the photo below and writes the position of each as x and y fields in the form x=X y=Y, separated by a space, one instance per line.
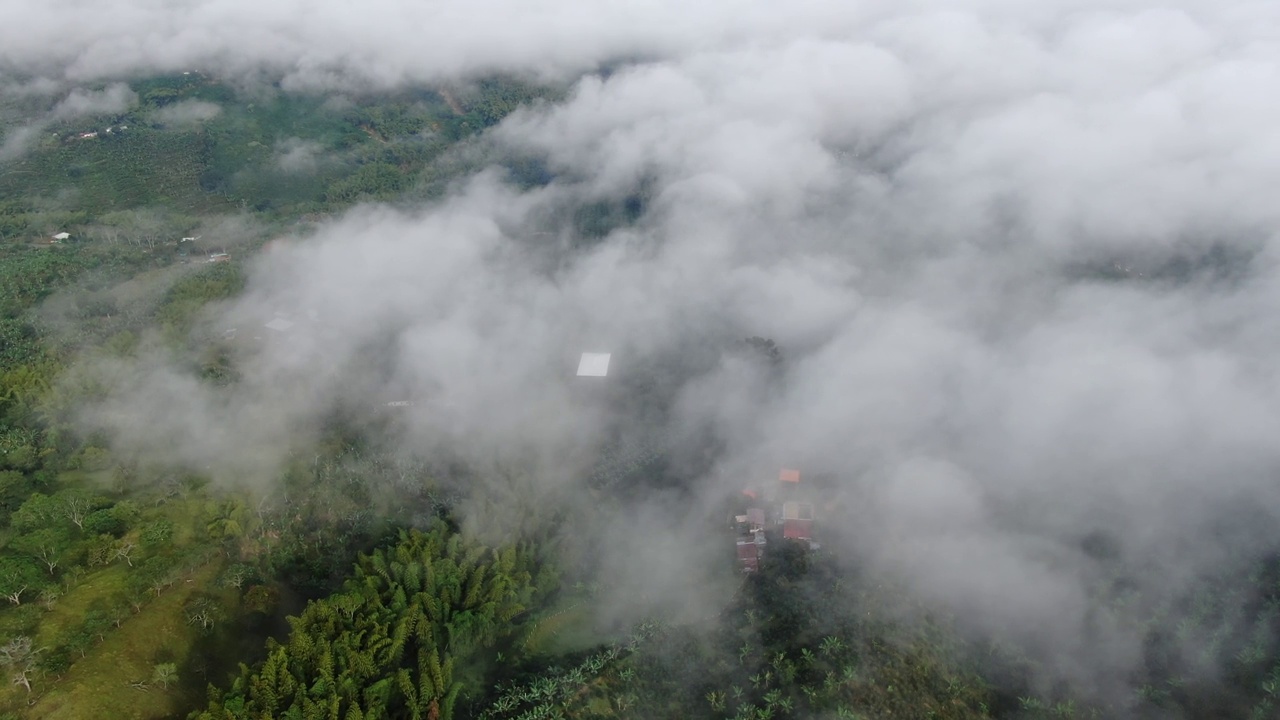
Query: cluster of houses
x=778 y=509
x=214 y=257
x=781 y=511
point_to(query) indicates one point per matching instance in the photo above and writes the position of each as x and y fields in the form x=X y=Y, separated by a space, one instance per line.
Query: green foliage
x=19 y=449
x=14 y=220
x=56 y=661
x=500 y=96
x=19 y=343
x=226 y=520
x=134 y=168
x=203 y=611
x=20 y=578
x=385 y=646
x=94 y=458
x=261 y=599
x=49 y=545
x=28 y=274
x=22 y=390
x=184 y=299
x=374 y=180
x=100 y=550
x=164 y=674
x=797 y=642
x=390 y=120
x=557 y=688
x=126 y=197
x=127 y=512
x=104 y=522
x=15 y=487
x=36 y=511
x=157 y=532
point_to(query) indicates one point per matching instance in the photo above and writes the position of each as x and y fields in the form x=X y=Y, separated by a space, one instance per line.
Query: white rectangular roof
x=279 y=324
x=594 y=364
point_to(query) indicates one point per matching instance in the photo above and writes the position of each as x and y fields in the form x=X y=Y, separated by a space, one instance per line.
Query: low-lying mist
x=1021 y=263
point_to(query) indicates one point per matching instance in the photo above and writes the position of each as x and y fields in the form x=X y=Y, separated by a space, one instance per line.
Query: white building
x=594 y=364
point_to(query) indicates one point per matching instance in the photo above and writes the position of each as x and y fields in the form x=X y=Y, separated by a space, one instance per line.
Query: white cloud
x=113 y=99
x=903 y=194
x=187 y=112
x=295 y=155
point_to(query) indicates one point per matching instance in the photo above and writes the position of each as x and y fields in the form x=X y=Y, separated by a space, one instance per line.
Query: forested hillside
x=130 y=584
x=361 y=581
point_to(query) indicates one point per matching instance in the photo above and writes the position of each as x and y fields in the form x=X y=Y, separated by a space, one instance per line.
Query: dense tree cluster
x=387 y=644
x=799 y=641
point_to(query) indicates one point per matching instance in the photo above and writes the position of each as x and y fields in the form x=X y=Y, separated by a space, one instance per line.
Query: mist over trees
x=960 y=312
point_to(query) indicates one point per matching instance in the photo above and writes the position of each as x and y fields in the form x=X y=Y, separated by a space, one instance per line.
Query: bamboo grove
x=390 y=642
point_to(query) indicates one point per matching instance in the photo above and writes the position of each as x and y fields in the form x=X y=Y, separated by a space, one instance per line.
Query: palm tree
x=227 y=522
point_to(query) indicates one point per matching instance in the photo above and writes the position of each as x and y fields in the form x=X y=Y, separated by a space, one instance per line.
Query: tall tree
x=48 y=545
x=19 y=576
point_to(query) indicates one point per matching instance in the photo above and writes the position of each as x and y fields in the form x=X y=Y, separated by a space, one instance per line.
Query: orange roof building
x=789 y=476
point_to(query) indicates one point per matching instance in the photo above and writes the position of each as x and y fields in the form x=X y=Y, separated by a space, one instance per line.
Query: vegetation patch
x=118 y=678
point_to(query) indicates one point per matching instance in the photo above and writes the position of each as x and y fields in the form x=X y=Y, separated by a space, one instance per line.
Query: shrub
x=156 y=532
x=104 y=522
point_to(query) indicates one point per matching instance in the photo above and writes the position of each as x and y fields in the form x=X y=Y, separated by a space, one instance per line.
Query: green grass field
x=564 y=629
x=103 y=682
x=101 y=685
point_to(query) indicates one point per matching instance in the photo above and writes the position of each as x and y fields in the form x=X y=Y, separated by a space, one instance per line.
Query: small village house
x=750 y=551
x=797 y=521
x=785 y=509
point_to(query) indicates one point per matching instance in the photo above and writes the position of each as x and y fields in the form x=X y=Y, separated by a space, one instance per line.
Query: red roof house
x=797 y=529
x=797 y=520
x=749 y=551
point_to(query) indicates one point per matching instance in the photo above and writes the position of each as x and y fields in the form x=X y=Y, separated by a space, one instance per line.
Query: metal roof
x=594 y=364
x=797 y=529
